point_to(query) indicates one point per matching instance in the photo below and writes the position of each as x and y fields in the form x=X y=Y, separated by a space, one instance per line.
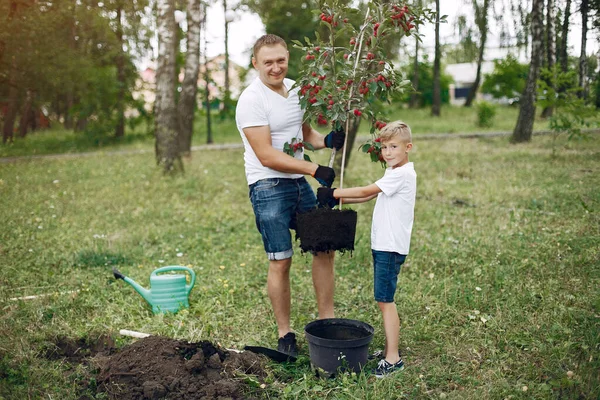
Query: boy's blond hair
x=396 y=129
x=267 y=40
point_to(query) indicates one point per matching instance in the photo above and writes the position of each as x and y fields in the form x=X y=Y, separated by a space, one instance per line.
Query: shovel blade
x=273 y=354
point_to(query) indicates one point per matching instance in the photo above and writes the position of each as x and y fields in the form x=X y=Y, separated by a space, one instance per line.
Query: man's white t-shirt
x=260 y=106
x=394 y=210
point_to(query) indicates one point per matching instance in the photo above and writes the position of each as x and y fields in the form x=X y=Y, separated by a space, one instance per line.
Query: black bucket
x=337 y=344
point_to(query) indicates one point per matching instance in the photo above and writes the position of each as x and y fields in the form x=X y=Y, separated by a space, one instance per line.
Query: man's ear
x=254 y=62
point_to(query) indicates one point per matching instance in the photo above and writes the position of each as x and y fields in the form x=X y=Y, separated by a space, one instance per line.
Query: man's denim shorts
x=275 y=202
x=386 y=265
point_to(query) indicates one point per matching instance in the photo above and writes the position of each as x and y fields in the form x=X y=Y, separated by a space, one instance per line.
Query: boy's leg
x=323 y=281
x=391 y=326
x=278 y=289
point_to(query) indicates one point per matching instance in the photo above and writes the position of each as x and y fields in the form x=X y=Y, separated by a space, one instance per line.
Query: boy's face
x=395 y=151
x=271 y=62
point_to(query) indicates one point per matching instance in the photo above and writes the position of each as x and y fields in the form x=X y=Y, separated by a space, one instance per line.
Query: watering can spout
x=145 y=293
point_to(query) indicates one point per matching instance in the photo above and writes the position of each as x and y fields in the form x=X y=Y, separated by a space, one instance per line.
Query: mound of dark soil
x=163 y=368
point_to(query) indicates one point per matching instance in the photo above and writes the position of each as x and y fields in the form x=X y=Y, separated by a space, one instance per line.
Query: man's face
x=271 y=62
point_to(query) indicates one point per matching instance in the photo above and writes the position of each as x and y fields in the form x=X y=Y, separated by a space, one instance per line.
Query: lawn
x=499 y=298
x=58 y=140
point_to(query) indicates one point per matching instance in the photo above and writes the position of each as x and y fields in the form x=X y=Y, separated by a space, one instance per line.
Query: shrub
x=485 y=114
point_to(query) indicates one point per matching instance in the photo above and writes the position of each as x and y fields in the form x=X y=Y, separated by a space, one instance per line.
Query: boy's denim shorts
x=386 y=265
x=275 y=202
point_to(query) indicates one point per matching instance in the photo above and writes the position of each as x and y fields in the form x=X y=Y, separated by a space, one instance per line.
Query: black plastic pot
x=337 y=344
x=324 y=229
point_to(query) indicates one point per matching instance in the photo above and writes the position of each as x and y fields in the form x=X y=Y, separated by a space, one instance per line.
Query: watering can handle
x=189 y=287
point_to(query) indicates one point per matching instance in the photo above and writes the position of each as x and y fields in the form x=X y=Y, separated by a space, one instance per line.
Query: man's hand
x=325 y=197
x=335 y=139
x=324 y=175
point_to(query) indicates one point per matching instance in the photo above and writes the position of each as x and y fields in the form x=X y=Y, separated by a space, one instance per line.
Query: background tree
x=291 y=20
x=562 y=50
x=481 y=20
x=424 y=90
x=166 y=128
x=584 y=9
x=524 y=127
x=437 y=96
x=550 y=51
x=187 y=106
x=508 y=79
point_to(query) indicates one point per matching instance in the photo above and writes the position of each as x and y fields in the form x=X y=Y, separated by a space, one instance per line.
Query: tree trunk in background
x=524 y=128
x=167 y=150
x=12 y=108
x=26 y=116
x=481 y=19
x=70 y=98
x=209 y=138
x=583 y=93
x=563 y=57
x=550 y=52
x=189 y=88
x=120 y=64
x=437 y=95
x=414 y=96
x=11 y=111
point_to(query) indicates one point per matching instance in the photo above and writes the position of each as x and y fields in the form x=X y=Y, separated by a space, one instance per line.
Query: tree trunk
x=12 y=108
x=209 y=138
x=414 y=96
x=352 y=132
x=550 y=53
x=437 y=95
x=167 y=150
x=481 y=17
x=189 y=87
x=524 y=128
x=563 y=56
x=26 y=111
x=120 y=64
x=582 y=57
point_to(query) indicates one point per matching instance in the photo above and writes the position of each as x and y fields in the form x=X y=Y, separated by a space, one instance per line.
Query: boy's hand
x=335 y=139
x=325 y=197
x=324 y=175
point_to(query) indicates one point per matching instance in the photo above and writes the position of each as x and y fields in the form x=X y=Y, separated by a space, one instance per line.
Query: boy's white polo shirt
x=260 y=106
x=394 y=210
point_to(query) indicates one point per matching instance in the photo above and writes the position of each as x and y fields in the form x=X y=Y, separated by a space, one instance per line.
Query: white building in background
x=463 y=76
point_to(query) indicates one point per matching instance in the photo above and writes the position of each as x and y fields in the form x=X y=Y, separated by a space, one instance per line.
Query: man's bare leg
x=278 y=288
x=323 y=281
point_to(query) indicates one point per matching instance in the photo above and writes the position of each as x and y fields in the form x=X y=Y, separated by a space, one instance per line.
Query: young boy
x=390 y=230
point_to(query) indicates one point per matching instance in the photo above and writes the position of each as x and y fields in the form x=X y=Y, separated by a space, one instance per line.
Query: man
x=268 y=115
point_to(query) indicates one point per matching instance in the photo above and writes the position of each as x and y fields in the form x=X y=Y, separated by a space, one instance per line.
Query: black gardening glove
x=335 y=139
x=324 y=175
x=325 y=197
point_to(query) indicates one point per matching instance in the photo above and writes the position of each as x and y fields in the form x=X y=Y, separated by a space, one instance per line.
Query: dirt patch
x=163 y=368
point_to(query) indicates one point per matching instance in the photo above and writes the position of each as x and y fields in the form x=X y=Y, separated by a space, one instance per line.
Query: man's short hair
x=267 y=40
x=396 y=129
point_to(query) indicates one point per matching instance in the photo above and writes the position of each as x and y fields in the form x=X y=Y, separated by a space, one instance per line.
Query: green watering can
x=168 y=292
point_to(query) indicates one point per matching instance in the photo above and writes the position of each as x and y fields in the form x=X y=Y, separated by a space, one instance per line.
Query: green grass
x=501 y=290
x=57 y=140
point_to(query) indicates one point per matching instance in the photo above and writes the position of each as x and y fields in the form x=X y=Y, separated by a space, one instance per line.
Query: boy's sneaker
x=384 y=368
x=288 y=345
x=379 y=355
x=376 y=355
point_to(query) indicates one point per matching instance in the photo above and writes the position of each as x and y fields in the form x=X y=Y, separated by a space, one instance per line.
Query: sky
x=247 y=27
